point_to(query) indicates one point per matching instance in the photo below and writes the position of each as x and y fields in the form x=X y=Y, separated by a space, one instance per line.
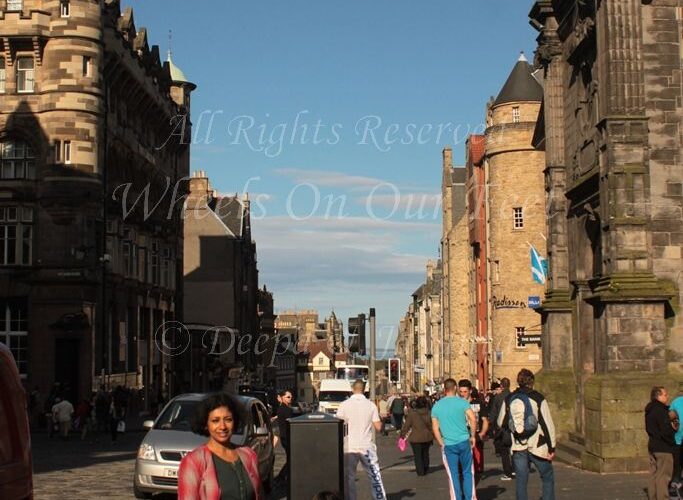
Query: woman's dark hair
x=209 y=404
x=422 y=402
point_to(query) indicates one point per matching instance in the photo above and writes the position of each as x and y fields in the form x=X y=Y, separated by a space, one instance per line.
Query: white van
x=332 y=393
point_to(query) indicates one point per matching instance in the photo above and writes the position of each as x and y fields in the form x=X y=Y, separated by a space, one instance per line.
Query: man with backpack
x=501 y=437
x=526 y=415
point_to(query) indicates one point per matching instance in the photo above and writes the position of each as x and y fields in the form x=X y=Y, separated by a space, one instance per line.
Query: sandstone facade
x=86 y=124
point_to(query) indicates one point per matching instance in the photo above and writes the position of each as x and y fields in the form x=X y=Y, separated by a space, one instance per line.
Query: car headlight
x=146 y=452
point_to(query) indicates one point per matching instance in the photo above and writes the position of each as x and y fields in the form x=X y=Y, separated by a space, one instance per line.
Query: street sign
x=534 y=302
x=530 y=339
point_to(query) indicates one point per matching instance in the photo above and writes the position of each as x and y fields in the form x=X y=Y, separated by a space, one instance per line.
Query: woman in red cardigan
x=218 y=470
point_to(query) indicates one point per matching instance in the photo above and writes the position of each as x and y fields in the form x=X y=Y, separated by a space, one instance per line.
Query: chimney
x=200 y=190
x=430 y=269
x=447 y=158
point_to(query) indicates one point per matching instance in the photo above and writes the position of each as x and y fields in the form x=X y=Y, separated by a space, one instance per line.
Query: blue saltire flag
x=539 y=266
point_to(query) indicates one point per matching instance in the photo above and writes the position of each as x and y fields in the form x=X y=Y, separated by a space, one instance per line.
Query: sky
x=333 y=116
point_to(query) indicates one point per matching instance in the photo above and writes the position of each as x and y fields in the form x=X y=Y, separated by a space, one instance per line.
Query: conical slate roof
x=521 y=85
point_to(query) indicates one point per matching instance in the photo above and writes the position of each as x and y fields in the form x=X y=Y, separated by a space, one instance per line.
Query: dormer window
x=14 y=5
x=64 y=8
x=515 y=114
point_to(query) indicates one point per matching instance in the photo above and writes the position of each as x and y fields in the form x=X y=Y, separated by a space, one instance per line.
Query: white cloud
x=328 y=178
x=347 y=264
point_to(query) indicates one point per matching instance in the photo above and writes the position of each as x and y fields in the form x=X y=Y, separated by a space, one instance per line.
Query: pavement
x=73 y=469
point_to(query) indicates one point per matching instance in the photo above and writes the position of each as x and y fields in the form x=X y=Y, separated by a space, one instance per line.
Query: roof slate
x=520 y=86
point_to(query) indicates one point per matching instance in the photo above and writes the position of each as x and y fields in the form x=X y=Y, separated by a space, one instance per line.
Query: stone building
x=611 y=132
x=221 y=291
x=420 y=341
x=403 y=349
x=477 y=294
x=515 y=212
x=457 y=359
x=89 y=113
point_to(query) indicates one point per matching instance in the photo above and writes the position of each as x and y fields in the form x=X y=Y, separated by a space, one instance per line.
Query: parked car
x=16 y=477
x=170 y=438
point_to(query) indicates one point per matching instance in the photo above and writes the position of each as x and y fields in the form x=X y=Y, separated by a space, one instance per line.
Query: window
x=154 y=264
x=3 y=75
x=63 y=152
x=518 y=217
x=87 y=66
x=18 y=160
x=67 y=152
x=65 y=8
x=321 y=360
x=496 y=271
x=14 y=5
x=16 y=236
x=14 y=330
x=515 y=114
x=25 y=74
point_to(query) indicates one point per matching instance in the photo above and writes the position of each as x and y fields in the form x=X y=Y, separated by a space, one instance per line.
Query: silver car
x=170 y=438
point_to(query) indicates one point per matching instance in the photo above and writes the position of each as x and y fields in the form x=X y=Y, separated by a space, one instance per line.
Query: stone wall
x=515 y=179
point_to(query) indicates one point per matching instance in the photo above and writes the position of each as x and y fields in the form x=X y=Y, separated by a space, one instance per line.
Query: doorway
x=67 y=362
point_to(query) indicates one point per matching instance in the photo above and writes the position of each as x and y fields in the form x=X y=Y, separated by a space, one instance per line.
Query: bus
x=353 y=372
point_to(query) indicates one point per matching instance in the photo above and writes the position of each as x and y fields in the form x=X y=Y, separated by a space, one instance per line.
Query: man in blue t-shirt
x=676 y=412
x=454 y=425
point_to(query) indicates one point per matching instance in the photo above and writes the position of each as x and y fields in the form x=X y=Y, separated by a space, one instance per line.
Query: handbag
x=121 y=427
x=402 y=445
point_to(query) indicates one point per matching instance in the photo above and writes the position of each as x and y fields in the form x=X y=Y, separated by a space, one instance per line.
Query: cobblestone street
x=68 y=470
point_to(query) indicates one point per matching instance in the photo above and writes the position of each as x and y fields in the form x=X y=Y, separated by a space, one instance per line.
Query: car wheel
x=140 y=494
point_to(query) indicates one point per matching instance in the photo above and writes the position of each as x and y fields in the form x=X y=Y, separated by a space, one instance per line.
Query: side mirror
x=148 y=424
x=261 y=431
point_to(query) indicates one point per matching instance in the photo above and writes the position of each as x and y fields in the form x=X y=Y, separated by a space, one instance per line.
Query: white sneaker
x=505 y=477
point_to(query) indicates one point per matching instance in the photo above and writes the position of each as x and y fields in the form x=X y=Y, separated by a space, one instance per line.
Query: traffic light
x=395 y=370
x=357 y=334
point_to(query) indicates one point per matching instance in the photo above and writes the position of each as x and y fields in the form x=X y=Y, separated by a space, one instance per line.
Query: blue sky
x=350 y=100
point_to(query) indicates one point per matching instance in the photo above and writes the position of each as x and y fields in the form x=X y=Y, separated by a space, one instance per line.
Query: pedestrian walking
x=102 y=404
x=83 y=412
x=384 y=414
x=361 y=416
x=502 y=439
x=117 y=418
x=661 y=444
x=526 y=415
x=481 y=412
x=62 y=413
x=418 y=428
x=675 y=413
x=454 y=424
x=284 y=412
x=218 y=469
x=398 y=410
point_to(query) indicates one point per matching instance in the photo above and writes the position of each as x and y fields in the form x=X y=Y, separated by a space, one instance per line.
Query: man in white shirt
x=62 y=412
x=361 y=416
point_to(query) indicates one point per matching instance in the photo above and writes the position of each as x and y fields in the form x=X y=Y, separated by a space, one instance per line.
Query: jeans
x=521 y=460
x=453 y=456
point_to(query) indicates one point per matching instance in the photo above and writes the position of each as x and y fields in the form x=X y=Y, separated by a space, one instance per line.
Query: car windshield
x=178 y=417
x=334 y=396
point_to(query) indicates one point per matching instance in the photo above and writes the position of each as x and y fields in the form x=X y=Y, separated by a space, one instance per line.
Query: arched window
x=18 y=160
